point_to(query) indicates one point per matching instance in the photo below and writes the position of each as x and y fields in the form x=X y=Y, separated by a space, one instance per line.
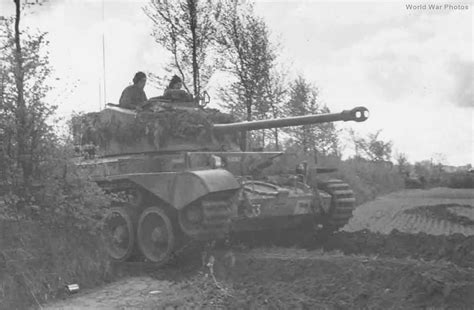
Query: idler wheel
x=119 y=233
x=156 y=236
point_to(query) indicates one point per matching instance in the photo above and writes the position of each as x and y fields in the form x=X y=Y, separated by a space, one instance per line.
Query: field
x=408 y=250
x=439 y=211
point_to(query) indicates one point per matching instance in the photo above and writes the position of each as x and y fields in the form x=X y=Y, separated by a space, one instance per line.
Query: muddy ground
x=375 y=262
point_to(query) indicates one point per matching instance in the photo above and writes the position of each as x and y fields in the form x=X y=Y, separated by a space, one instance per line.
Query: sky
x=413 y=68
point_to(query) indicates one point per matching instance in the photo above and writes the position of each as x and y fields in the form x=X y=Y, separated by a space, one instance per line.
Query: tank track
x=342 y=202
x=216 y=215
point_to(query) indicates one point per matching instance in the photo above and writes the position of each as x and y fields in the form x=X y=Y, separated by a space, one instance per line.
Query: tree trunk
x=277 y=143
x=244 y=134
x=243 y=141
x=2 y=88
x=22 y=156
x=193 y=22
x=249 y=110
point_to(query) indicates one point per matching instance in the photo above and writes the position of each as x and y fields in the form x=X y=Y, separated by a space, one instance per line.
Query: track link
x=342 y=202
x=217 y=216
x=215 y=213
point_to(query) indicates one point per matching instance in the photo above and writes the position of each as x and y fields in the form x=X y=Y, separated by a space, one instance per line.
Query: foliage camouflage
x=158 y=127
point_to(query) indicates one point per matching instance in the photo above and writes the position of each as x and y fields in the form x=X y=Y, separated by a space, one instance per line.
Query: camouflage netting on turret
x=157 y=127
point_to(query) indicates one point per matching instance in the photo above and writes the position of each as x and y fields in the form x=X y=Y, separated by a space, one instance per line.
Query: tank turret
x=181 y=127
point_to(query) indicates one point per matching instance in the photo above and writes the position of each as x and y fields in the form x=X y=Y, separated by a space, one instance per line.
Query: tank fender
x=192 y=185
x=180 y=189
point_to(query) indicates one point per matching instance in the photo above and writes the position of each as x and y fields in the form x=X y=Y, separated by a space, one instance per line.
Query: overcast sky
x=413 y=68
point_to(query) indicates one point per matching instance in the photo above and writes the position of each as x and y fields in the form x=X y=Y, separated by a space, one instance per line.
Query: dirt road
x=287 y=279
x=131 y=293
x=410 y=269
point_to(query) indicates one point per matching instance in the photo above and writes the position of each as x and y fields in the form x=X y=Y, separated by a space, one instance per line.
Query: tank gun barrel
x=358 y=114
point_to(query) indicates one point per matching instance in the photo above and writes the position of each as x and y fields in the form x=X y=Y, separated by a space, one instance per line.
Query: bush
x=49 y=233
x=48 y=212
x=462 y=179
x=37 y=261
x=367 y=179
x=59 y=195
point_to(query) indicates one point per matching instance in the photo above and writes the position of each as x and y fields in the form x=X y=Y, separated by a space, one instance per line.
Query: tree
x=37 y=177
x=423 y=168
x=27 y=136
x=275 y=95
x=187 y=29
x=249 y=57
x=303 y=100
x=439 y=159
x=25 y=69
x=372 y=148
x=402 y=162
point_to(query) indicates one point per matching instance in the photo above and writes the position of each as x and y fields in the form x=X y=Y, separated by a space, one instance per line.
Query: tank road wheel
x=119 y=233
x=342 y=203
x=156 y=236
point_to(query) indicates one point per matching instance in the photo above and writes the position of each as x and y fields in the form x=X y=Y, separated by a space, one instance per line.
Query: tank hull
x=234 y=197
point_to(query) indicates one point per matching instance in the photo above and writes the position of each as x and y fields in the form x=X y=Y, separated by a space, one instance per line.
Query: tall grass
x=37 y=261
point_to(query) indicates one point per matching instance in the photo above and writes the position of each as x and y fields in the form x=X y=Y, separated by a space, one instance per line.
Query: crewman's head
x=139 y=79
x=175 y=83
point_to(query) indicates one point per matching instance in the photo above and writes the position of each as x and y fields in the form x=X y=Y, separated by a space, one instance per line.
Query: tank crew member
x=174 y=91
x=134 y=95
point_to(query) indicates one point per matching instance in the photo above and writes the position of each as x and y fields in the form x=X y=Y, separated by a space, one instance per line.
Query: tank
x=177 y=172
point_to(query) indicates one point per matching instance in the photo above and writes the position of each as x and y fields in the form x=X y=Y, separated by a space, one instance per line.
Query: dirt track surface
x=439 y=211
x=365 y=266
x=294 y=279
x=457 y=248
x=131 y=293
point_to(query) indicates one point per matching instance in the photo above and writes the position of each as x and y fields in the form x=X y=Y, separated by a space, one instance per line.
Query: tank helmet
x=138 y=76
x=174 y=80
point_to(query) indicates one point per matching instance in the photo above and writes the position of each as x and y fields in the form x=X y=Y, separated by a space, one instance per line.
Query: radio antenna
x=100 y=95
x=103 y=53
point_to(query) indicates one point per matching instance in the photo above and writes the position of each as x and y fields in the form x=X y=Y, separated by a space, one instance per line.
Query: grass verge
x=37 y=261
